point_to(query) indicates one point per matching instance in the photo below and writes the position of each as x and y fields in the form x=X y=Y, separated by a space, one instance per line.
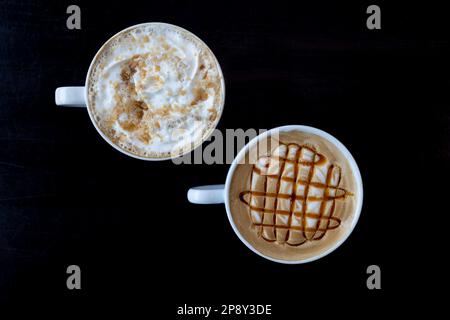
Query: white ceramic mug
x=220 y=193
x=78 y=96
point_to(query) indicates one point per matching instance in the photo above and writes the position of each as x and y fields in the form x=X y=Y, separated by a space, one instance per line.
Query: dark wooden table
x=67 y=197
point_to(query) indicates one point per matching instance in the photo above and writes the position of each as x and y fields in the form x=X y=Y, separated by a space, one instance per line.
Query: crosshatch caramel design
x=293 y=194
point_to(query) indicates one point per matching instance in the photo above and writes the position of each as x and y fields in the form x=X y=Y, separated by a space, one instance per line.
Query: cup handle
x=70 y=97
x=207 y=194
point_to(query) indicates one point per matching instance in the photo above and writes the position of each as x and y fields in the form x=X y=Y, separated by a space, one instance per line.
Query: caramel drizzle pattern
x=323 y=203
x=293 y=196
x=277 y=188
x=294 y=193
x=304 y=203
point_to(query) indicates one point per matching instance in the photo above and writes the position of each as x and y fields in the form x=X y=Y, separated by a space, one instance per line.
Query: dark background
x=67 y=197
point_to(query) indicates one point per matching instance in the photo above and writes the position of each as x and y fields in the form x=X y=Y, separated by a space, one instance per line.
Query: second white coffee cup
x=214 y=194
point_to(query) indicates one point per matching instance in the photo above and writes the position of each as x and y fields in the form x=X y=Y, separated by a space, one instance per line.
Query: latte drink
x=296 y=199
x=155 y=91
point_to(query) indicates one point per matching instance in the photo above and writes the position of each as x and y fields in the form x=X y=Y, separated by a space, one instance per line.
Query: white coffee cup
x=77 y=96
x=220 y=193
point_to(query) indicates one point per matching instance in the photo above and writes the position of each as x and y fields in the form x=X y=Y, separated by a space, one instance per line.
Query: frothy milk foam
x=156 y=90
x=295 y=199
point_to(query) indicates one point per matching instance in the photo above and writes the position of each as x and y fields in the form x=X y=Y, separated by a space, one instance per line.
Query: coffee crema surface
x=295 y=199
x=156 y=90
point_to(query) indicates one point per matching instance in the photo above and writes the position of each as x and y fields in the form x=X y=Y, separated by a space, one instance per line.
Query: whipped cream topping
x=156 y=90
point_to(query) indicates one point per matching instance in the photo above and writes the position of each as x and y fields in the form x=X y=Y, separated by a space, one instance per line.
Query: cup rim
x=329 y=138
x=126 y=152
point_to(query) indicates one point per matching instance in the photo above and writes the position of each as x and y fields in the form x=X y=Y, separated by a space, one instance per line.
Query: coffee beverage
x=292 y=195
x=155 y=90
x=295 y=198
